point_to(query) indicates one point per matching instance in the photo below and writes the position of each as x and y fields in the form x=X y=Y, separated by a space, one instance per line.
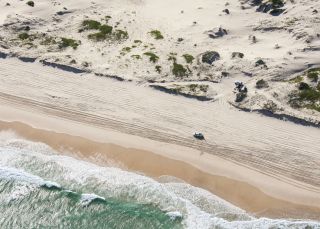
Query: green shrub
x=152 y=57
x=95 y=25
x=188 y=58
x=156 y=34
x=172 y=57
x=121 y=35
x=260 y=62
x=97 y=36
x=30 y=3
x=66 y=42
x=277 y=3
x=106 y=29
x=308 y=98
x=158 y=69
x=23 y=36
x=178 y=70
x=310 y=95
x=261 y=84
x=303 y=86
x=313 y=76
x=91 y=24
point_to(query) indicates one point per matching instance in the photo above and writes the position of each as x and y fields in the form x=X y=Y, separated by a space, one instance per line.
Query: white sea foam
x=174 y=215
x=198 y=208
x=87 y=199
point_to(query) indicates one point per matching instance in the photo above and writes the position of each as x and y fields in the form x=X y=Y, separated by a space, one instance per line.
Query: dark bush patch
x=308 y=98
x=121 y=35
x=260 y=63
x=309 y=95
x=66 y=42
x=240 y=97
x=23 y=36
x=91 y=24
x=158 y=69
x=262 y=84
x=277 y=3
x=152 y=57
x=156 y=34
x=106 y=29
x=313 y=76
x=188 y=58
x=237 y=55
x=303 y=86
x=210 y=56
x=30 y=3
x=178 y=70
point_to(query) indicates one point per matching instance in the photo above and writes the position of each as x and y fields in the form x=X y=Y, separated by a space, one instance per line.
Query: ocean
x=40 y=188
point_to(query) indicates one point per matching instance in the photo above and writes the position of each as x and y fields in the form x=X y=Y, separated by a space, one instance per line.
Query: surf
x=47 y=189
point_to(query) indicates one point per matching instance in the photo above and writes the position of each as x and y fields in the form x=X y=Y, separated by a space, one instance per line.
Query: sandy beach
x=262 y=189
x=162 y=168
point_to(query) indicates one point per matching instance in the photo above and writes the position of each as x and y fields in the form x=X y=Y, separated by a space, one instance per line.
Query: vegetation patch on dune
x=104 y=31
x=152 y=56
x=313 y=74
x=158 y=69
x=179 y=70
x=91 y=24
x=23 y=36
x=67 y=42
x=305 y=97
x=188 y=58
x=308 y=94
x=156 y=34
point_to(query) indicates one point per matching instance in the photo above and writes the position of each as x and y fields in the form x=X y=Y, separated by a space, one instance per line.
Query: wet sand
x=239 y=193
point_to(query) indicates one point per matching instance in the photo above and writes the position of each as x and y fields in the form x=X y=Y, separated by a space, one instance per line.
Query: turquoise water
x=41 y=189
x=55 y=208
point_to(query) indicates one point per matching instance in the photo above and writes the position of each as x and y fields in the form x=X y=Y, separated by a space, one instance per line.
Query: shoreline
x=233 y=183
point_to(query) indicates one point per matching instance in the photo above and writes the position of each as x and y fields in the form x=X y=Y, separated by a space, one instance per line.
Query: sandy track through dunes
x=280 y=149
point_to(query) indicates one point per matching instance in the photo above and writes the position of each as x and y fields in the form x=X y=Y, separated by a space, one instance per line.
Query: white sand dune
x=295 y=33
